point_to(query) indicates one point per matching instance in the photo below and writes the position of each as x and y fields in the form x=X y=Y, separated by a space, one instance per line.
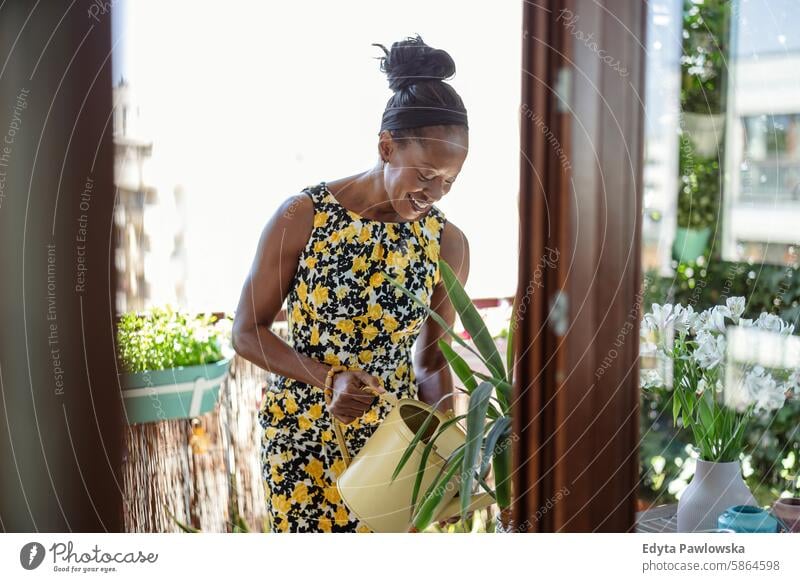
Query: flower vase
x=714 y=488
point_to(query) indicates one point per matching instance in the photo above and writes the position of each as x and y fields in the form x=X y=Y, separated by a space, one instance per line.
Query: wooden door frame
x=62 y=435
x=576 y=388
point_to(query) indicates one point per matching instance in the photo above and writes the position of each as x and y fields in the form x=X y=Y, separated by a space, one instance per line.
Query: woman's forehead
x=438 y=152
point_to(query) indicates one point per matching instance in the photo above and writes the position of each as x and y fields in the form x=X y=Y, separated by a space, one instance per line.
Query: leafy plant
x=488 y=417
x=697 y=355
x=698 y=196
x=773 y=440
x=705 y=48
x=163 y=338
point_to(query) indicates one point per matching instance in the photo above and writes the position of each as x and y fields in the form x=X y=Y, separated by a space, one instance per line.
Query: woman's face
x=421 y=171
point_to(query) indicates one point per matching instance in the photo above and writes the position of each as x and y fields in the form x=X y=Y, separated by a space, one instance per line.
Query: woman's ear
x=385 y=145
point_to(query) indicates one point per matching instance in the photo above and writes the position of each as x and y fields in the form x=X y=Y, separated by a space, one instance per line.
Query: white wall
x=247 y=106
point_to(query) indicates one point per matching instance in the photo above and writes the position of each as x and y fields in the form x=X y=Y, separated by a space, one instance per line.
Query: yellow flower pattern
x=342 y=311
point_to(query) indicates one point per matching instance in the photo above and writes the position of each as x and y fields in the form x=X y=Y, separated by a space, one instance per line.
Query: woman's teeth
x=418 y=205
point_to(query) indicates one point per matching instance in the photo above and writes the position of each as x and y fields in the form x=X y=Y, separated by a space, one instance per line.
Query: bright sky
x=247 y=105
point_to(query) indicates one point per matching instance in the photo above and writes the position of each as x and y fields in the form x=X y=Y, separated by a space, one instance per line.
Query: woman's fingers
x=357 y=399
x=370 y=380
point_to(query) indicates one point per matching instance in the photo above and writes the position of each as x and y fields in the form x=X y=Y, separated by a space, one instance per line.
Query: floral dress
x=342 y=310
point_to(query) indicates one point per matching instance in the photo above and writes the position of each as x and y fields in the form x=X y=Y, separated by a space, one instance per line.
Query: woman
x=325 y=251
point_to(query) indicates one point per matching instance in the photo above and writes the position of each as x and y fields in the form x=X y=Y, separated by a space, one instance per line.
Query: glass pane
x=721 y=290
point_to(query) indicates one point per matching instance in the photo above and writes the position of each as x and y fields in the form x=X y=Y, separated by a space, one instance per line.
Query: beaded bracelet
x=329 y=381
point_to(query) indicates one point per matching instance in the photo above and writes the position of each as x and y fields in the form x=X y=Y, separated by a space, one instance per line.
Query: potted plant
x=705 y=48
x=172 y=363
x=487 y=421
x=695 y=344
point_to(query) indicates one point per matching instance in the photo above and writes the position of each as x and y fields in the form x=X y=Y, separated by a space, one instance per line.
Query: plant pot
x=183 y=392
x=690 y=243
x=704 y=131
x=714 y=488
x=787 y=509
x=748 y=519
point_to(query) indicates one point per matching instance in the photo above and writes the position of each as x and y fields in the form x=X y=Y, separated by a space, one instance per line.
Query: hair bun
x=412 y=61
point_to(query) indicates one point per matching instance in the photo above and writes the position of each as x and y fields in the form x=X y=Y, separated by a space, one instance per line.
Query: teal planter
x=690 y=243
x=748 y=519
x=183 y=392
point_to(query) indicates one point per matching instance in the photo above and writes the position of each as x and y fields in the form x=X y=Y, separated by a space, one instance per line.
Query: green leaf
x=504 y=389
x=676 y=408
x=472 y=320
x=184 y=527
x=424 y=516
x=476 y=420
x=501 y=463
x=510 y=350
x=435 y=316
x=499 y=429
x=426 y=453
x=459 y=365
x=417 y=437
x=706 y=415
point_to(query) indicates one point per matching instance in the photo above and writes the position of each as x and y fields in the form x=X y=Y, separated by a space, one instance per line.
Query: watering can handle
x=337 y=424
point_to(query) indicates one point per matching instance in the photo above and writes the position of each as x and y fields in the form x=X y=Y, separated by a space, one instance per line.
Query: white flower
x=771 y=322
x=701 y=387
x=763 y=390
x=684 y=318
x=715 y=322
x=793 y=382
x=700 y=320
x=735 y=306
x=745 y=322
x=651 y=379
x=710 y=350
x=659 y=317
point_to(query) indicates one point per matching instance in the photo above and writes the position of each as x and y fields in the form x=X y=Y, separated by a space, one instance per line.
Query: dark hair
x=416 y=74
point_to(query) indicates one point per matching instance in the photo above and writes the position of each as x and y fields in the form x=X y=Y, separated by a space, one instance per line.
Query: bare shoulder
x=455 y=250
x=292 y=221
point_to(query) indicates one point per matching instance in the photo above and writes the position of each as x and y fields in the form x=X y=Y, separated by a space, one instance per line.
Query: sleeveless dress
x=342 y=311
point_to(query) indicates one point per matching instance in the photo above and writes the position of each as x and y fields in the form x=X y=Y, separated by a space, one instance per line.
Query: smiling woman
x=348 y=328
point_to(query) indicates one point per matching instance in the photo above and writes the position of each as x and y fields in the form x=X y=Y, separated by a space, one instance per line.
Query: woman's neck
x=365 y=194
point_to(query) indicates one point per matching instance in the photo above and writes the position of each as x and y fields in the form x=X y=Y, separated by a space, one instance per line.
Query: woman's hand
x=349 y=399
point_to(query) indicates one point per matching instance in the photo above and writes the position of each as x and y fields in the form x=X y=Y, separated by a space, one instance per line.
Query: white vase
x=714 y=488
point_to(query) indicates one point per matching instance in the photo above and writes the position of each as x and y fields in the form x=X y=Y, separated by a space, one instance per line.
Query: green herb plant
x=163 y=338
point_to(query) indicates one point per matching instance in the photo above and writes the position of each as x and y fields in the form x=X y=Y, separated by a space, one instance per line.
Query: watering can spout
x=453 y=507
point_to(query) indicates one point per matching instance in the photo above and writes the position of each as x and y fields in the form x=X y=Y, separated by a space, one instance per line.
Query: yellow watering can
x=366 y=484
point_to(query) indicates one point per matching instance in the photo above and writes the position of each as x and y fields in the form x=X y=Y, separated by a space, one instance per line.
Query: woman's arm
x=430 y=366
x=265 y=289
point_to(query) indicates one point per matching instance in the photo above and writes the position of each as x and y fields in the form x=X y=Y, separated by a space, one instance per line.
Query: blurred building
x=763 y=183
x=150 y=249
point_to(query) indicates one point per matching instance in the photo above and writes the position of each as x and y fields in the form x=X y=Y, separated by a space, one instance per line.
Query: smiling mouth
x=418 y=204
